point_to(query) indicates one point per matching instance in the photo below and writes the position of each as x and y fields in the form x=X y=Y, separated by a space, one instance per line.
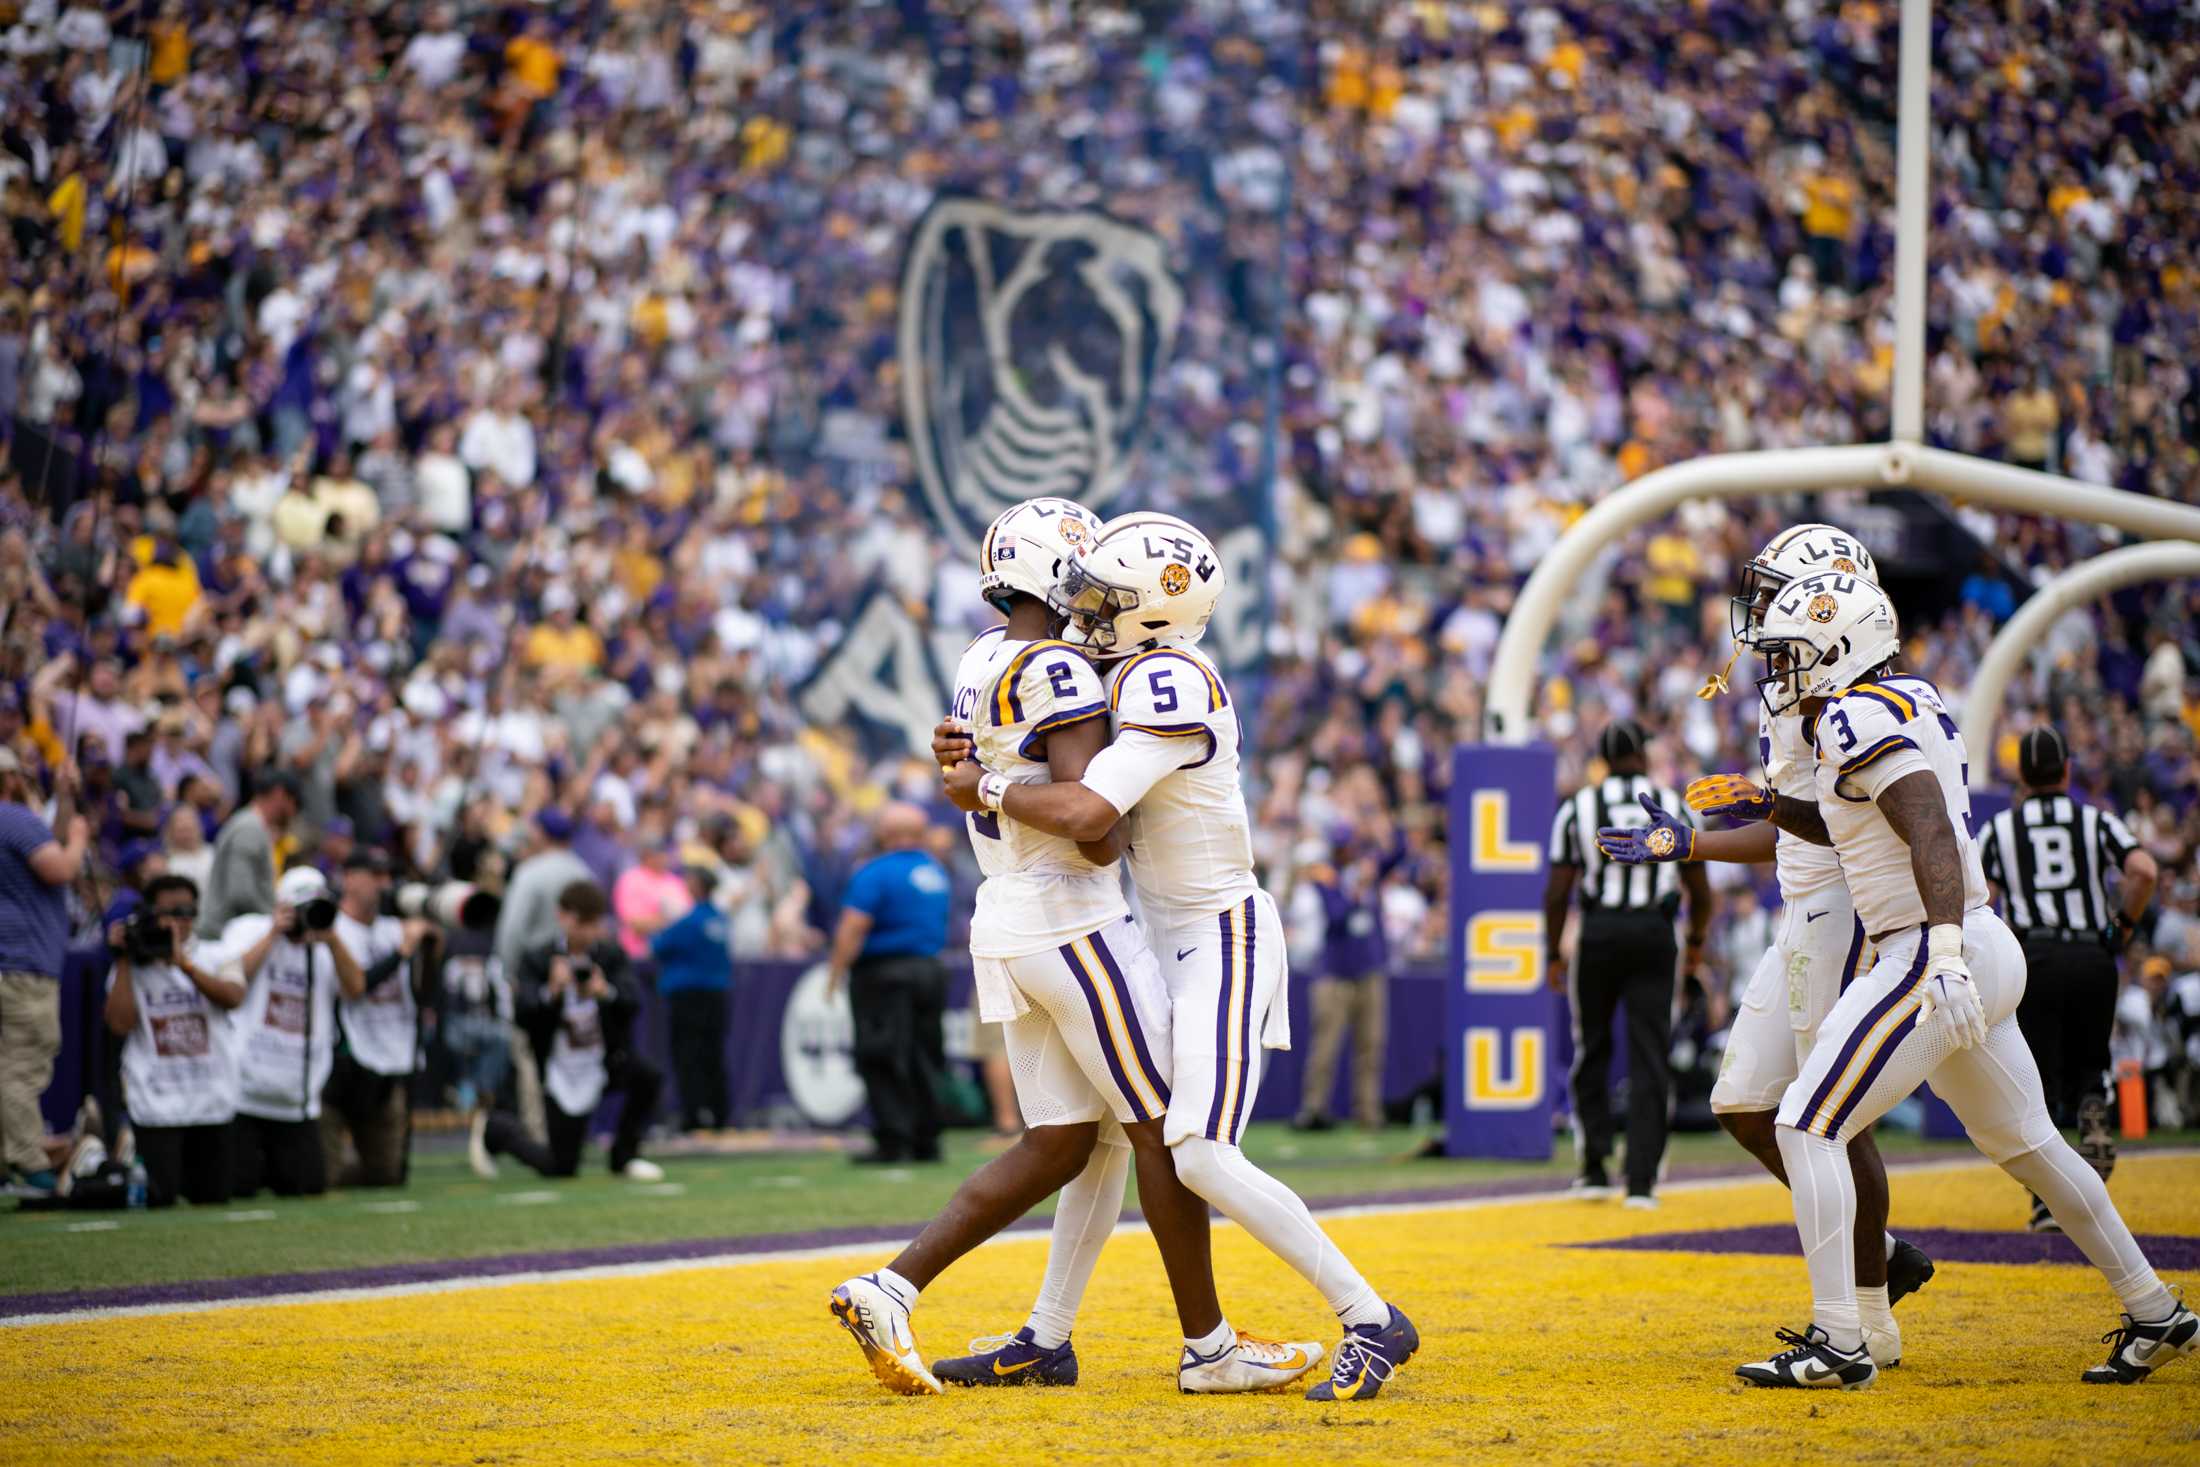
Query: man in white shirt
x=179 y=1064
x=366 y=1094
x=294 y=966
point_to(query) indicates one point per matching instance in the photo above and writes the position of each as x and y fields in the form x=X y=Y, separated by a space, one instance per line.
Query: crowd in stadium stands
x=353 y=485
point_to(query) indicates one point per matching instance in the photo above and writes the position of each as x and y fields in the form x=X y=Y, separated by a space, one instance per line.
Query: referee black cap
x=2042 y=757
x=1623 y=738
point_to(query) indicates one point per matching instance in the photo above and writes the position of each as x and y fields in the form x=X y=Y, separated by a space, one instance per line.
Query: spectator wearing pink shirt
x=649 y=897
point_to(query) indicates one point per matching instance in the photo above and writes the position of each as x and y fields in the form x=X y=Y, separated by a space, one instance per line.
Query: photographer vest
x=576 y=1073
x=179 y=1064
x=286 y=1026
x=381 y=1024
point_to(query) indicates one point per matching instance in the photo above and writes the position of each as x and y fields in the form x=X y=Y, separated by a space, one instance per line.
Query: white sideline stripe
x=654 y=1267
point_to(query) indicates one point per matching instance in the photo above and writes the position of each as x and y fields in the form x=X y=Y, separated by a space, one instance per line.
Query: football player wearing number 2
x=1137 y=600
x=1939 y=1003
x=1085 y=1017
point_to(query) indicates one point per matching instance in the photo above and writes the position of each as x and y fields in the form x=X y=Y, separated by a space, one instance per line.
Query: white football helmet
x=1820 y=636
x=1026 y=545
x=1147 y=579
x=1805 y=550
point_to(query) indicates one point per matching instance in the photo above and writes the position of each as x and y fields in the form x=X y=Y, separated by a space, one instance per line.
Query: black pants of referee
x=2068 y=1014
x=899 y=1003
x=1624 y=957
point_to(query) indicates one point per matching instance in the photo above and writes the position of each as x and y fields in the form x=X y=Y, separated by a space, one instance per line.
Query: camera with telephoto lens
x=317 y=915
x=146 y=938
x=452 y=905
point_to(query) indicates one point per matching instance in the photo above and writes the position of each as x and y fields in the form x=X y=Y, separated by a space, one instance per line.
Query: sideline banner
x=1501 y=1014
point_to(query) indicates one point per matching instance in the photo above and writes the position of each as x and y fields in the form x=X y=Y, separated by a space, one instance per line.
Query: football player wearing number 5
x=1819 y=947
x=1137 y=600
x=1940 y=1001
x=1062 y=967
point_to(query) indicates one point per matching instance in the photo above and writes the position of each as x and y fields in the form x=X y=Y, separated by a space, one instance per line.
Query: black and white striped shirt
x=1609 y=885
x=2051 y=856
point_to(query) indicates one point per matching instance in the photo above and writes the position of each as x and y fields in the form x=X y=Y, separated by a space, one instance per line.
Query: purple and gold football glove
x=1730 y=795
x=1663 y=839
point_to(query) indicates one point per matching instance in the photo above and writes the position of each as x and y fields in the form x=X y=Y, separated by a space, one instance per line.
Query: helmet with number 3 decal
x=1821 y=636
x=1147 y=579
x=1027 y=545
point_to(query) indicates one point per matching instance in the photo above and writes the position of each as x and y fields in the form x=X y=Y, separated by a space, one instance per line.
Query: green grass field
x=447 y=1213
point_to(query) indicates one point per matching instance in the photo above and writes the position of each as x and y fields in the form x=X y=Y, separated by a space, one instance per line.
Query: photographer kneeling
x=168 y=999
x=294 y=966
x=367 y=1087
x=577 y=1005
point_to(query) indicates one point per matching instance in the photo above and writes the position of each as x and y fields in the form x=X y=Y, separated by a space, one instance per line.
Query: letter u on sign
x=1505 y=952
x=1493 y=1086
x=1493 y=849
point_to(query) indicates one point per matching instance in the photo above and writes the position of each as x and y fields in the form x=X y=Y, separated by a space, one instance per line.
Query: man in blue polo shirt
x=893 y=923
x=35 y=870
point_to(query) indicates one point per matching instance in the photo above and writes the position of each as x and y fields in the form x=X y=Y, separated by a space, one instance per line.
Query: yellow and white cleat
x=880 y=1323
x=1248 y=1363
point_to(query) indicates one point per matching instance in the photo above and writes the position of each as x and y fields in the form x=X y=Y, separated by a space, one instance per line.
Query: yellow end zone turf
x=1531 y=1352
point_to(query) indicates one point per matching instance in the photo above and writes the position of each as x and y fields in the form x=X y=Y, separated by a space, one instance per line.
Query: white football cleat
x=642 y=1170
x=1811 y=1361
x=1883 y=1342
x=1247 y=1363
x=880 y=1324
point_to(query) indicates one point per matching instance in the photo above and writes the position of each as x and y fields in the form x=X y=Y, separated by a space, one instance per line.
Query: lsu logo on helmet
x=1822 y=607
x=1176 y=579
x=1029 y=342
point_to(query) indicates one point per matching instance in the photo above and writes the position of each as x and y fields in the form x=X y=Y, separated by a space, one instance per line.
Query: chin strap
x=1715 y=685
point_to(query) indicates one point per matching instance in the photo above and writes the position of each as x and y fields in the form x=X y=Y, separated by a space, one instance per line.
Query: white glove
x=1948 y=989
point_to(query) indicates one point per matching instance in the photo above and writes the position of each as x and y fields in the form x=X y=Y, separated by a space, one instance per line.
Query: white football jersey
x=1191 y=843
x=1038 y=892
x=1791 y=769
x=1867 y=738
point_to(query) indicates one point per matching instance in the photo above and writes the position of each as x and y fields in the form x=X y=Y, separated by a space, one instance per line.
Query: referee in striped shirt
x=1626 y=953
x=2049 y=855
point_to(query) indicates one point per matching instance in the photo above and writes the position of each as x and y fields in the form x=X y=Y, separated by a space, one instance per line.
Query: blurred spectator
x=35 y=868
x=367 y=1092
x=242 y=877
x=694 y=960
x=170 y=1004
x=294 y=967
x=886 y=950
x=2158 y=1028
x=577 y=1003
x=1353 y=991
x=474 y=1025
x=529 y=918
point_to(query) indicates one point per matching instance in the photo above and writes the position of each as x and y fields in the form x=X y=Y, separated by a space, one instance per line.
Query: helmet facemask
x=1090 y=607
x=1789 y=662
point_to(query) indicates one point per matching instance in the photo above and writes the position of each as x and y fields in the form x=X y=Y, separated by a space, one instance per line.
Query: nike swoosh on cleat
x=1810 y=917
x=1295 y=1365
x=1183 y=953
x=1813 y=1372
x=1000 y=1369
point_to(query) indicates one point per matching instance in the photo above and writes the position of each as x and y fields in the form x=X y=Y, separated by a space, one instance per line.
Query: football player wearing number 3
x=1939 y=1003
x=1137 y=600
x=1819 y=945
x=1085 y=1016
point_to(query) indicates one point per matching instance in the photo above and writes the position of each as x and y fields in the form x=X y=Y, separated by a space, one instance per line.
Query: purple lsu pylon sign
x=1501 y=1014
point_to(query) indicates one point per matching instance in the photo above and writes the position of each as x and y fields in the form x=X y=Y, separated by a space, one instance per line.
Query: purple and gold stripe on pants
x=1233 y=1025
x=1865 y=1053
x=1856 y=954
x=1115 y=1022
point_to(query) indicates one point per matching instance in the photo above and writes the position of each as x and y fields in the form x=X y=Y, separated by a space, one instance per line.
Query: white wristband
x=991 y=787
x=1944 y=940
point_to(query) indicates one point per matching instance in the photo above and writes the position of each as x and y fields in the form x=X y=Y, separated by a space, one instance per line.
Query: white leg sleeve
x=1825 y=1217
x=1085 y=1213
x=1275 y=1216
x=2074 y=1192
